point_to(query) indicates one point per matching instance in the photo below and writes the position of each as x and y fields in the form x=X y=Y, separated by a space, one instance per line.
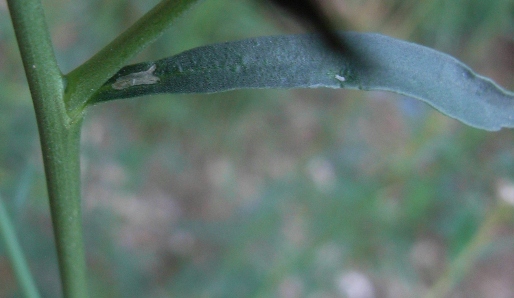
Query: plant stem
x=60 y=140
x=85 y=80
x=59 y=115
x=61 y=144
x=469 y=256
x=15 y=253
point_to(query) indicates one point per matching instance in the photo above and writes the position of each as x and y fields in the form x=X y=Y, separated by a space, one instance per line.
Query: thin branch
x=60 y=139
x=85 y=80
x=15 y=253
x=43 y=74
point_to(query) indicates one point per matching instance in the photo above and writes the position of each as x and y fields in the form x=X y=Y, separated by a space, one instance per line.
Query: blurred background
x=272 y=193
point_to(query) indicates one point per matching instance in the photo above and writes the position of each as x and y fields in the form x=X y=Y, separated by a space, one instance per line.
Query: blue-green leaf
x=301 y=61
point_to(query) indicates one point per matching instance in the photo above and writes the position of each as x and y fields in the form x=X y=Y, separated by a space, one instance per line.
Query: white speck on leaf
x=137 y=78
x=340 y=78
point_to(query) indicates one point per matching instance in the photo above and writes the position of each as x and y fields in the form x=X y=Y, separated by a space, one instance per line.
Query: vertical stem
x=15 y=253
x=60 y=133
x=60 y=141
x=60 y=145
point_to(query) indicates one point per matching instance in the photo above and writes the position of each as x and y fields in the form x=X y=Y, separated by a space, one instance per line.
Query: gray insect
x=137 y=78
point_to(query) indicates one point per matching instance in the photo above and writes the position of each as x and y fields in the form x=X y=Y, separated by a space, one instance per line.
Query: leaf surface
x=302 y=61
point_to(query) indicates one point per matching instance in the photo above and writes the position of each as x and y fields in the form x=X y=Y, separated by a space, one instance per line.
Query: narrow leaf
x=301 y=61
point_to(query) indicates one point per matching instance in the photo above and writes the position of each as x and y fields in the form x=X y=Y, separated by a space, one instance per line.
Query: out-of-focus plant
x=61 y=100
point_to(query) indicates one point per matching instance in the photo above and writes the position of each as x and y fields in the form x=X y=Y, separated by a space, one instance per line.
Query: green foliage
x=260 y=192
x=302 y=62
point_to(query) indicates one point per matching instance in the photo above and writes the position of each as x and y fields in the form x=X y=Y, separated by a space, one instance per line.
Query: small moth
x=137 y=78
x=340 y=78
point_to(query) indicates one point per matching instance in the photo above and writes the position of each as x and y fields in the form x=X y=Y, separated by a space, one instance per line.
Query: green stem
x=86 y=79
x=61 y=144
x=59 y=115
x=15 y=253
x=468 y=257
x=59 y=138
